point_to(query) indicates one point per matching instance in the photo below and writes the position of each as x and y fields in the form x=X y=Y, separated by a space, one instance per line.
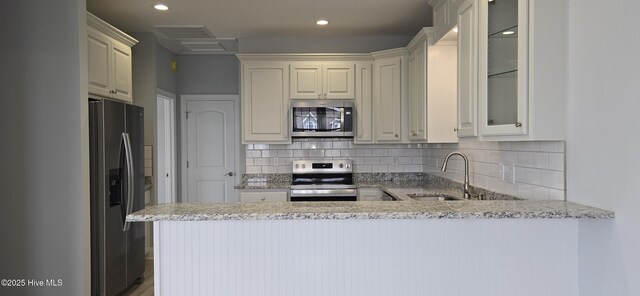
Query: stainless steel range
x=323 y=180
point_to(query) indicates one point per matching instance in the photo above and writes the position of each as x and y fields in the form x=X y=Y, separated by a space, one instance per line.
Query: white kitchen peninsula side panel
x=367 y=257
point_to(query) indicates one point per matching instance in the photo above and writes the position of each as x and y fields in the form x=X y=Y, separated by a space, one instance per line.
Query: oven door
x=324 y=194
x=322 y=119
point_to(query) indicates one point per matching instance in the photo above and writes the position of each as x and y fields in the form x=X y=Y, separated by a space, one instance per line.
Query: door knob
x=230 y=174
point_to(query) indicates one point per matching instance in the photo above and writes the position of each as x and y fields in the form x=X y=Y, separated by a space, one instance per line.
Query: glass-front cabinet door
x=502 y=63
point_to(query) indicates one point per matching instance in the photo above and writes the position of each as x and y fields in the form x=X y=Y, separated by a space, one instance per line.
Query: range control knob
x=303 y=166
x=348 y=165
x=341 y=165
x=297 y=166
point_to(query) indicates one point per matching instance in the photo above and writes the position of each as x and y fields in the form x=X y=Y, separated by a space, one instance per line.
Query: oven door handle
x=324 y=192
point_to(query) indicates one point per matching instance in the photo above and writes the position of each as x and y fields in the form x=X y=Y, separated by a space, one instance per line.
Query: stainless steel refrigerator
x=117 y=188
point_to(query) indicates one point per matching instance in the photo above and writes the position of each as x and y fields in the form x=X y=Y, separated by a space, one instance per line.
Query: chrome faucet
x=467 y=193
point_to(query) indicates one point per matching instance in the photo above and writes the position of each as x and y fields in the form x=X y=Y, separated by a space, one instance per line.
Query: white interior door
x=166 y=167
x=211 y=154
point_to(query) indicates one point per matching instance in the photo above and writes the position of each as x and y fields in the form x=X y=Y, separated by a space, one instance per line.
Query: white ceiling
x=271 y=18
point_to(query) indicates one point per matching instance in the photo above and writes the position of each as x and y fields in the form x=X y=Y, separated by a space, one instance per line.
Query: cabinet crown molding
x=111 y=31
x=389 y=53
x=425 y=34
x=295 y=57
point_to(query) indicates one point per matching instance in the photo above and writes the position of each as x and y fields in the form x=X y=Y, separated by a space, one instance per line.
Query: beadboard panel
x=366 y=257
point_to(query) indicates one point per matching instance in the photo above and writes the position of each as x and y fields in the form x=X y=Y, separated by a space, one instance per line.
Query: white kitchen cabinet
x=467 y=68
x=363 y=104
x=109 y=60
x=388 y=95
x=257 y=195
x=417 y=88
x=518 y=70
x=328 y=80
x=265 y=102
x=441 y=92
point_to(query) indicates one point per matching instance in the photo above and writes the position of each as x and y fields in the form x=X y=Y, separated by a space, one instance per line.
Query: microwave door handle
x=130 y=179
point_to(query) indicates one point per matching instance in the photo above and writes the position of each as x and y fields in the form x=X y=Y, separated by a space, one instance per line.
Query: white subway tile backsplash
x=538 y=166
x=346 y=153
x=269 y=169
x=552 y=179
x=532 y=146
x=260 y=146
x=332 y=153
x=362 y=168
x=540 y=193
x=372 y=160
x=524 y=159
x=285 y=169
x=394 y=168
x=555 y=194
x=381 y=168
x=309 y=145
x=316 y=153
x=540 y=160
x=253 y=153
x=525 y=190
x=285 y=153
x=412 y=168
x=262 y=161
x=325 y=145
x=556 y=161
x=254 y=169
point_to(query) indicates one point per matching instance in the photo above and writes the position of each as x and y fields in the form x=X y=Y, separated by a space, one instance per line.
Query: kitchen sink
x=433 y=197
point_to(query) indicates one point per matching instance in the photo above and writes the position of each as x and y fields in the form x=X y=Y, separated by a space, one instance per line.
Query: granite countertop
x=497 y=207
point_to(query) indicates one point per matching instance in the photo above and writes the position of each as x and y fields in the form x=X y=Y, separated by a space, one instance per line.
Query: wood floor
x=146 y=288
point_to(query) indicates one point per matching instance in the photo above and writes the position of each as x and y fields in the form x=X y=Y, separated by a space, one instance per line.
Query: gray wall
x=144 y=81
x=603 y=144
x=208 y=74
x=167 y=79
x=321 y=44
x=44 y=180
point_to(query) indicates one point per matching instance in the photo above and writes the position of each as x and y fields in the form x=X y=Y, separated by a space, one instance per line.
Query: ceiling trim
x=306 y=57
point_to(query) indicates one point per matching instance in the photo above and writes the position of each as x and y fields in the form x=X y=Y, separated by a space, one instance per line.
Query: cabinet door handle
x=455 y=129
x=396 y=135
x=319 y=96
x=518 y=124
x=325 y=96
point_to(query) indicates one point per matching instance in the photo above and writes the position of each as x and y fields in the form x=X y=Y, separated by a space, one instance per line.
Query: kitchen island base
x=367 y=257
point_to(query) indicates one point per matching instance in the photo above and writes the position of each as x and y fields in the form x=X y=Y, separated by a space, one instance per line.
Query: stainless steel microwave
x=322 y=118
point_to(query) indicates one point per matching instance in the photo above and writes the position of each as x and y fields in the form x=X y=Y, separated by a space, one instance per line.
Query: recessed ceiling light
x=507 y=32
x=322 y=22
x=161 y=7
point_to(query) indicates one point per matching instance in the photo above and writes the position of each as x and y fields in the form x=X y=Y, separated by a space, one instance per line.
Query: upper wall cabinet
x=467 y=93
x=518 y=80
x=109 y=64
x=502 y=68
x=388 y=95
x=363 y=104
x=265 y=102
x=417 y=89
x=442 y=92
x=328 y=80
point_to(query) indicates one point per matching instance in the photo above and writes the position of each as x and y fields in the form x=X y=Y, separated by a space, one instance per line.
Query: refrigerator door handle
x=130 y=178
